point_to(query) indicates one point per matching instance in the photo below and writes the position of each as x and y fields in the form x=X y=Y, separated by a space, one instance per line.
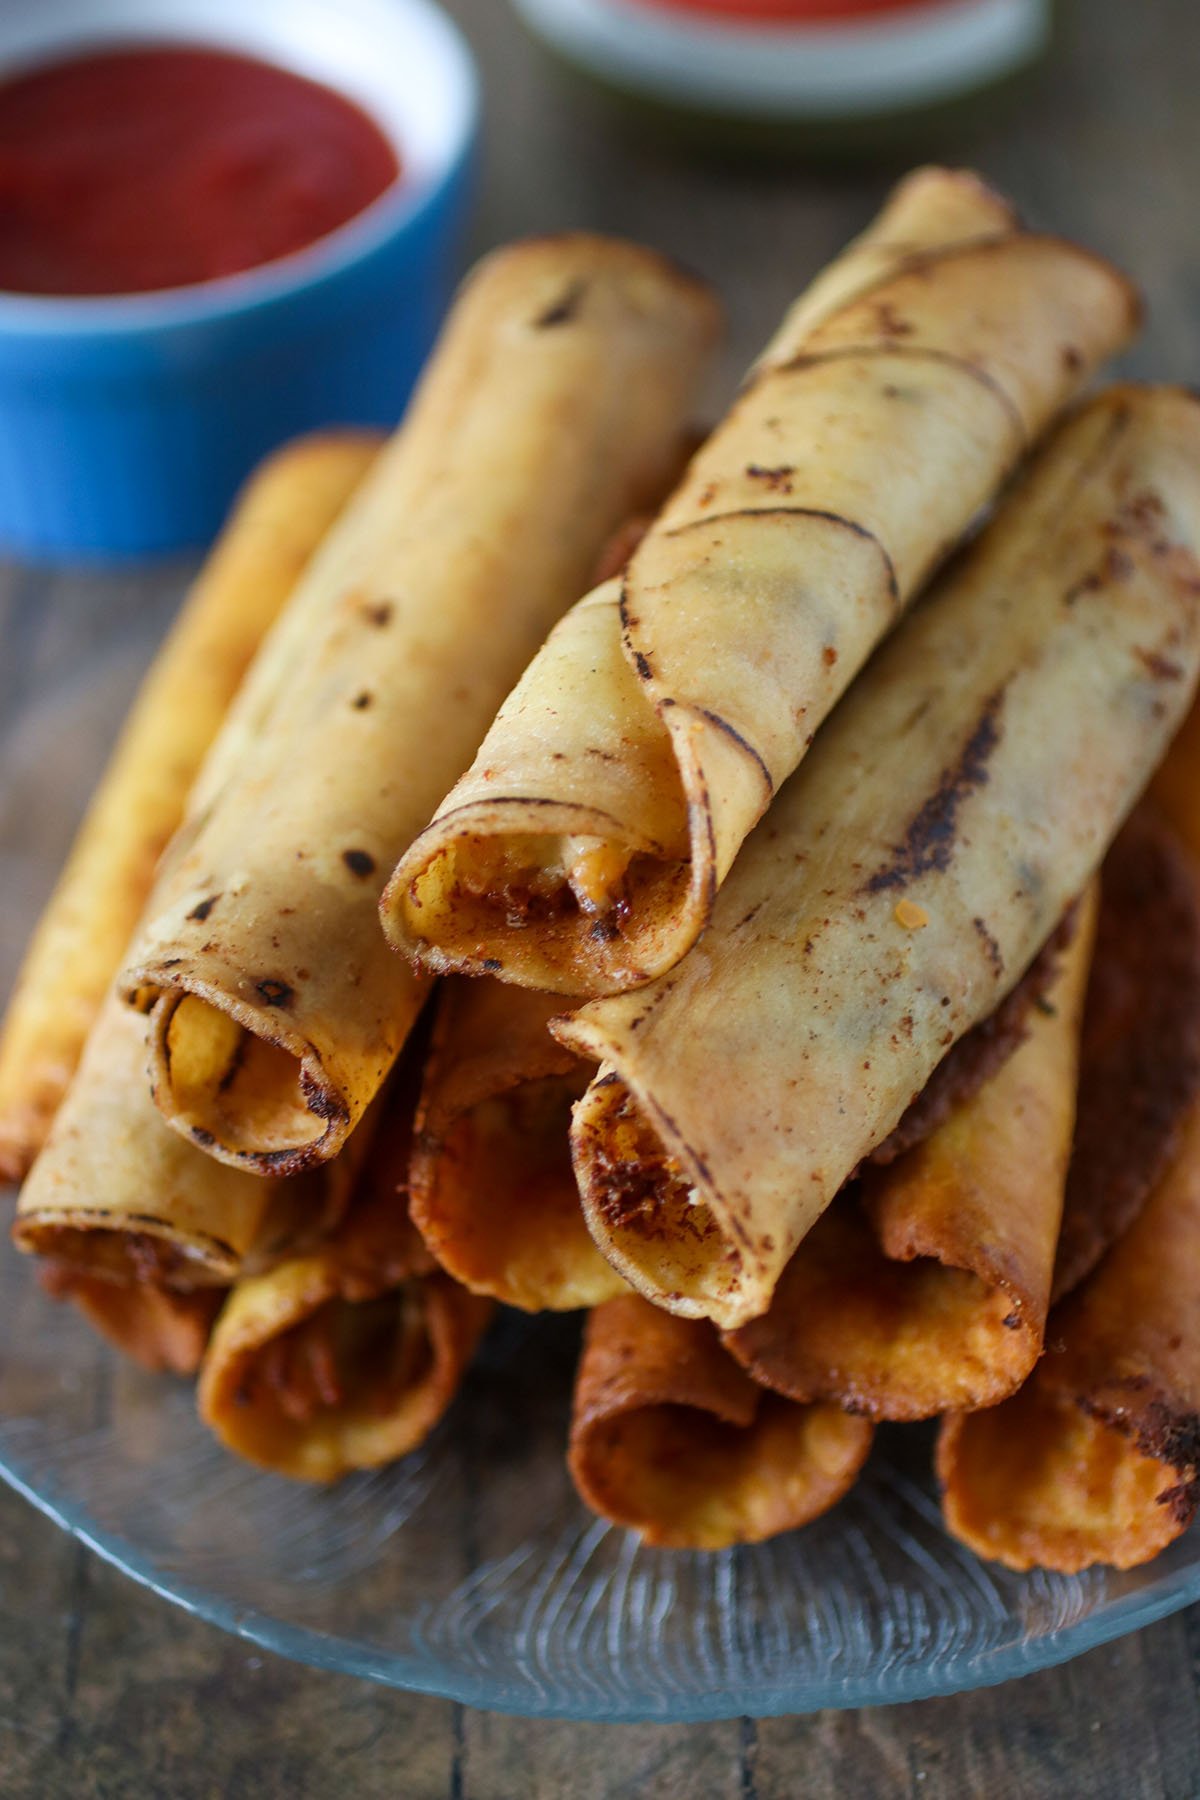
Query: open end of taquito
x=962 y=794
x=552 y=409
x=306 y=1382
x=925 y=1290
x=285 y=509
x=492 y=1187
x=116 y=1194
x=584 y=848
x=164 y=1332
x=670 y=1437
x=232 y=1077
x=344 y=1358
x=1037 y=1483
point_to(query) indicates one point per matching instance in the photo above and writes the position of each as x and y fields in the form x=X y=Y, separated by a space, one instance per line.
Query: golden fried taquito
x=1140 y=1055
x=961 y=796
x=285 y=510
x=346 y=1357
x=493 y=1190
x=551 y=409
x=164 y=1331
x=670 y=1437
x=927 y=1290
x=584 y=848
x=114 y=1194
x=1097 y=1459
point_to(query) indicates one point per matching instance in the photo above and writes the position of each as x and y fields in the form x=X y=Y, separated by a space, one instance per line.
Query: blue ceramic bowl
x=127 y=423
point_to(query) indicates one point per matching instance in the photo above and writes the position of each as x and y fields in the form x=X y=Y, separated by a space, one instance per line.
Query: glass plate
x=471 y=1570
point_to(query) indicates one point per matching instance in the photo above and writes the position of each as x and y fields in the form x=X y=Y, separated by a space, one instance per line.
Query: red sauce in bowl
x=130 y=170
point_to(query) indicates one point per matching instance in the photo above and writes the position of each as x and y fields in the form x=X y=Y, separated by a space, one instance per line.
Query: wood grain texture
x=108 y=1692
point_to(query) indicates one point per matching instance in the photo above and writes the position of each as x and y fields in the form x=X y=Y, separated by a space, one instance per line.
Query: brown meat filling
x=346 y=1353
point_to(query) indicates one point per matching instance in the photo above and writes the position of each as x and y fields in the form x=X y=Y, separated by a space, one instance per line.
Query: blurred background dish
x=839 y=77
x=128 y=419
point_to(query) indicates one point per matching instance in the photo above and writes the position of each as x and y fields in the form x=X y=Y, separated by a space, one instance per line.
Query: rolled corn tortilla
x=115 y=1194
x=926 y=1292
x=493 y=1190
x=347 y=1357
x=670 y=1437
x=285 y=510
x=584 y=848
x=163 y=1331
x=964 y=792
x=553 y=407
x=1140 y=1057
x=1097 y=1459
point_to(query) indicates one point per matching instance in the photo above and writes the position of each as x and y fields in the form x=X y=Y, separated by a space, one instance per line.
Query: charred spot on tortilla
x=274 y=993
x=978 y=1054
x=564 y=309
x=202 y=908
x=989 y=943
x=361 y=701
x=778 y=479
x=1161 y=667
x=932 y=837
x=359 y=862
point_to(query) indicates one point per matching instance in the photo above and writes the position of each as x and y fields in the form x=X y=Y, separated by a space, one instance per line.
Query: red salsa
x=128 y=170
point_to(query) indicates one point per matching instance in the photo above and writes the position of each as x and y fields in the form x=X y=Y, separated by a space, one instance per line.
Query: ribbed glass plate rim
x=413 y=1673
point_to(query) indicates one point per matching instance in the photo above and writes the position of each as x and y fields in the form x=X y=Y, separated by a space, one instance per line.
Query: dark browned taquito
x=670 y=1437
x=493 y=1190
x=346 y=1356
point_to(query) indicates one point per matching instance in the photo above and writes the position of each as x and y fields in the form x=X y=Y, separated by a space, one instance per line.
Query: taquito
x=670 y=1437
x=927 y=1291
x=959 y=799
x=164 y=1331
x=1140 y=1055
x=1097 y=1459
x=347 y=1357
x=553 y=408
x=584 y=848
x=493 y=1190
x=115 y=1194
x=285 y=510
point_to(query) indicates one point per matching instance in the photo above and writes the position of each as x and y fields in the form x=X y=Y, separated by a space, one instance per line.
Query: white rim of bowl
x=444 y=75
x=796 y=70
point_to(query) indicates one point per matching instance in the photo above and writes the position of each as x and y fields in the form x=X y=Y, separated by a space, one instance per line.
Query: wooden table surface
x=105 y=1690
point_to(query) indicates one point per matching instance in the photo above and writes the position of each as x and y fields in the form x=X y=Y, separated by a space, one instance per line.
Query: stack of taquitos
x=1097 y=1459
x=958 y=801
x=932 y=1289
x=838 y=1131
x=117 y=1198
